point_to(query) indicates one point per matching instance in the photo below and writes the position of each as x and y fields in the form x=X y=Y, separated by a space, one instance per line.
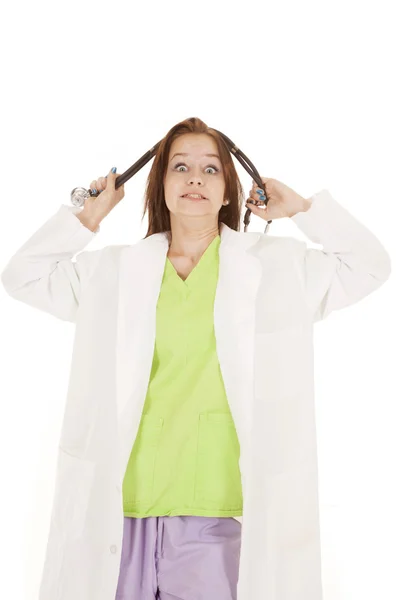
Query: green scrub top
x=185 y=459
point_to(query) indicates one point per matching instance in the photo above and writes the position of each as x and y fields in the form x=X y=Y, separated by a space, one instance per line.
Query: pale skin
x=194 y=224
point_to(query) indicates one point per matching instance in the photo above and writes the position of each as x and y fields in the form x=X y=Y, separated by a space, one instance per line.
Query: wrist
x=89 y=219
x=302 y=205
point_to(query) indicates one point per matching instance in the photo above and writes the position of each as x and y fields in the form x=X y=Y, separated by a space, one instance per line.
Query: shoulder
x=283 y=247
x=90 y=260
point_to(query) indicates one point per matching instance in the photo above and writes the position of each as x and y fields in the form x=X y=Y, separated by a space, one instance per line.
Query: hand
x=108 y=198
x=282 y=200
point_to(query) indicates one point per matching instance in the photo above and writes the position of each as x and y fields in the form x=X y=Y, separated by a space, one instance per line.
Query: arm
x=352 y=263
x=42 y=273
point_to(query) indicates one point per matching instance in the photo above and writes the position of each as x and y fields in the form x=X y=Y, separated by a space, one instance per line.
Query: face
x=194 y=173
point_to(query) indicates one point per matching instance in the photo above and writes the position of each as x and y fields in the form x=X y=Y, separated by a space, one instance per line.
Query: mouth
x=194 y=198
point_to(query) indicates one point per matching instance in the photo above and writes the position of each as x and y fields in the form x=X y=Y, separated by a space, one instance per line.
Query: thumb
x=111 y=177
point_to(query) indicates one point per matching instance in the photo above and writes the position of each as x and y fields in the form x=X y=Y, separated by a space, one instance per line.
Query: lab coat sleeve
x=351 y=264
x=42 y=273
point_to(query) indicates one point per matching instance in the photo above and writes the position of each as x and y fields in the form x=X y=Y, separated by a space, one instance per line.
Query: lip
x=193 y=199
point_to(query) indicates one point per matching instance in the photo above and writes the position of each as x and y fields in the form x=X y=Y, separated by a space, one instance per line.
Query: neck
x=191 y=244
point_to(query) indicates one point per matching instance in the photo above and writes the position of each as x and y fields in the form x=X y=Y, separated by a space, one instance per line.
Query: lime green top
x=185 y=459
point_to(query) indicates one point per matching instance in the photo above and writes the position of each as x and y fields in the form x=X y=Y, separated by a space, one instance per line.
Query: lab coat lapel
x=234 y=324
x=140 y=277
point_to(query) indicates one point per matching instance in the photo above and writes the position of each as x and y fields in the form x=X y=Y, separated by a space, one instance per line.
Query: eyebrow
x=186 y=154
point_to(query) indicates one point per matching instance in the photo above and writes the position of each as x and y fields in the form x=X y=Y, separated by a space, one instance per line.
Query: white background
x=309 y=91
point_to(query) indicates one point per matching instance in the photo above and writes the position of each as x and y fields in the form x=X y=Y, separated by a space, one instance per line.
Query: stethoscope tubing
x=143 y=160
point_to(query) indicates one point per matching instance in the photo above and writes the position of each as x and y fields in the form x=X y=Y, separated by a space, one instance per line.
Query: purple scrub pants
x=179 y=558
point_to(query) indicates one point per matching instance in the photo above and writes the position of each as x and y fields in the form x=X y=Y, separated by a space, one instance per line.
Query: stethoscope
x=80 y=194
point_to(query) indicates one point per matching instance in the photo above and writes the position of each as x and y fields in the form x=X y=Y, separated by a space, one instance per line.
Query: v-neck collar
x=206 y=259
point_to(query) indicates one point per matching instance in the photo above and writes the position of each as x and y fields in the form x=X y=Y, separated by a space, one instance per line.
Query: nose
x=195 y=179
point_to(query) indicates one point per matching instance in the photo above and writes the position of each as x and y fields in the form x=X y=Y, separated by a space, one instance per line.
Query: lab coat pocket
x=139 y=475
x=218 y=480
x=72 y=493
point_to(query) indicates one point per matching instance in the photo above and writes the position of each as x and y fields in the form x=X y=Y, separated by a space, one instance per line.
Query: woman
x=191 y=391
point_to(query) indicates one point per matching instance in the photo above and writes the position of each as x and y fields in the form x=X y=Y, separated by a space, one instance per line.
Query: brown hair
x=159 y=216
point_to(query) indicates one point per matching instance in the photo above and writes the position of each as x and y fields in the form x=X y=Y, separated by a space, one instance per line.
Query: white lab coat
x=271 y=290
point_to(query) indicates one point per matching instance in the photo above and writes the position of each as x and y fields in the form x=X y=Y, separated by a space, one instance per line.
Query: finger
x=101 y=183
x=256 y=191
x=251 y=204
x=257 y=197
x=255 y=207
x=111 y=177
x=120 y=190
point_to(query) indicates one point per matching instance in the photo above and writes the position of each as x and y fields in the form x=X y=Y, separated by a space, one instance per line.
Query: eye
x=178 y=165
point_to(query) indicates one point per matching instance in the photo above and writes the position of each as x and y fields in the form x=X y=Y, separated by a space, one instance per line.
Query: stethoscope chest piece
x=78 y=196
